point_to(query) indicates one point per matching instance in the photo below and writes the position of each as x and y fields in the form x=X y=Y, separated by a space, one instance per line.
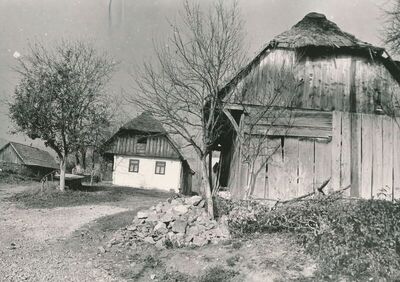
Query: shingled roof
x=145 y=122
x=316 y=30
x=32 y=156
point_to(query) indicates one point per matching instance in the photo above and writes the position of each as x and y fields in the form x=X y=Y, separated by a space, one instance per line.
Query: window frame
x=160 y=164
x=136 y=164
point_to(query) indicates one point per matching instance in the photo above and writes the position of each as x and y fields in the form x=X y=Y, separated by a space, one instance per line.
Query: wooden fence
x=362 y=150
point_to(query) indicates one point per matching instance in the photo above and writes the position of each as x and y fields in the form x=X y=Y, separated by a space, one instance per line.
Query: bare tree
x=182 y=88
x=60 y=96
x=267 y=96
x=392 y=27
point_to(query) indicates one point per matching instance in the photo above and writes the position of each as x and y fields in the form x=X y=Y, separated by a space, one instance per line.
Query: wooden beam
x=231 y=119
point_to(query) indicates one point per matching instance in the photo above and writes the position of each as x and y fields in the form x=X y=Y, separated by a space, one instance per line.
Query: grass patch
x=351 y=239
x=52 y=198
x=13 y=178
x=217 y=274
x=232 y=261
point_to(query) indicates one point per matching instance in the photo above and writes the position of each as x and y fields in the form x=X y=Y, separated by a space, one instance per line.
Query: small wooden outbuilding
x=26 y=160
x=145 y=156
x=344 y=127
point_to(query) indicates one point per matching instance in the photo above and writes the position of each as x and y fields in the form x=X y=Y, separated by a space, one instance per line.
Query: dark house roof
x=143 y=125
x=313 y=31
x=145 y=122
x=32 y=156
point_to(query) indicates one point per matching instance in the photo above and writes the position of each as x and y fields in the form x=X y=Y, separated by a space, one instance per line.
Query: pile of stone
x=175 y=223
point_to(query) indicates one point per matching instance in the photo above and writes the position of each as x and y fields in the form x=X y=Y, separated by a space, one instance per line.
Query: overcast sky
x=134 y=23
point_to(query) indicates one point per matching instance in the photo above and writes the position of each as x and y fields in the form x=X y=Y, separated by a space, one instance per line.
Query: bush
x=355 y=239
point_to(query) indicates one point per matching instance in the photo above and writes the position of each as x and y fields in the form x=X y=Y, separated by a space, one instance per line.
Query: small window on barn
x=141 y=145
x=133 y=165
x=160 y=168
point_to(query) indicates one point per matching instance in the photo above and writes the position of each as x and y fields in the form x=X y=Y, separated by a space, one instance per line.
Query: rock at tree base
x=179 y=226
x=194 y=201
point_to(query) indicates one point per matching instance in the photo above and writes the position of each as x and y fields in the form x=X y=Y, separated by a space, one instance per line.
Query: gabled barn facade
x=26 y=160
x=343 y=128
x=144 y=156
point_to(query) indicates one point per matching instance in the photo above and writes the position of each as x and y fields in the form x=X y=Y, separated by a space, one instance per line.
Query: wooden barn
x=343 y=130
x=26 y=160
x=144 y=156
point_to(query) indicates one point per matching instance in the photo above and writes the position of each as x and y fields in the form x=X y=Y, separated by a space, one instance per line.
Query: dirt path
x=32 y=241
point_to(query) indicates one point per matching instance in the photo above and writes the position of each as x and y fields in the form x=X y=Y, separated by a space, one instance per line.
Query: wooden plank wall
x=363 y=153
x=298 y=167
x=8 y=154
x=370 y=160
x=329 y=79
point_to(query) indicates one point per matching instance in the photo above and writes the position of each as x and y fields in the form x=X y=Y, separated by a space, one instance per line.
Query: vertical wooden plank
x=366 y=157
x=306 y=166
x=345 y=165
x=396 y=161
x=355 y=160
x=275 y=166
x=323 y=163
x=353 y=87
x=377 y=157
x=291 y=154
x=258 y=191
x=336 y=149
x=387 y=158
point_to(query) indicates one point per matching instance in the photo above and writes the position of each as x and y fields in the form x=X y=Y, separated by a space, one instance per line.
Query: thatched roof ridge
x=145 y=123
x=315 y=30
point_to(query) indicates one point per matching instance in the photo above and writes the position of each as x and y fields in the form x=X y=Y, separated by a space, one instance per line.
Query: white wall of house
x=146 y=177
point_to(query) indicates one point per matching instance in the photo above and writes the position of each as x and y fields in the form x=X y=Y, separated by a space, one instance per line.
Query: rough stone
x=194 y=200
x=200 y=241
x=201 y=204
x=179 y=226
x=160 y=244
x=142 y=215
x=180 y=209
x=152 y=217
x=167 y=217
x=161 y=228
x=149 y=240
x=177 y=202
x=159 y=208
x=131 y=228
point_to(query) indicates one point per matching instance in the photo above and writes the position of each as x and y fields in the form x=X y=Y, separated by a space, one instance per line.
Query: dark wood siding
x=155 y=146
x=9 y=155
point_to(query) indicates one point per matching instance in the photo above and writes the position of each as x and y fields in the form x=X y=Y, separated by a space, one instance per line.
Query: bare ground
x=35 y=243
x=70 y=244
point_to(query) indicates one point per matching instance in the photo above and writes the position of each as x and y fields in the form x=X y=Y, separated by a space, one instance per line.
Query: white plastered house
x=144 y=156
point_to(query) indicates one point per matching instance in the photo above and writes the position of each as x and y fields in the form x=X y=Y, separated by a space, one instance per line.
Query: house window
x=160 y=167
x=133 y=165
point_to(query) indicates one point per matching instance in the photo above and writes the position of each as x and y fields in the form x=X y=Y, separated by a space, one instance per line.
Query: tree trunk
x=77 y=161
x=210 y=170
x=205 y=183
x=83 y=155
x=63 y=166
x=250 y=185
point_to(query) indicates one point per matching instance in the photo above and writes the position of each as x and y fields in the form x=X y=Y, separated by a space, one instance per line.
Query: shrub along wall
x=354 y=239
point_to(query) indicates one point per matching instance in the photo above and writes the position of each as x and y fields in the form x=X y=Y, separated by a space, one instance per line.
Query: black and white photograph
x=199 y=140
